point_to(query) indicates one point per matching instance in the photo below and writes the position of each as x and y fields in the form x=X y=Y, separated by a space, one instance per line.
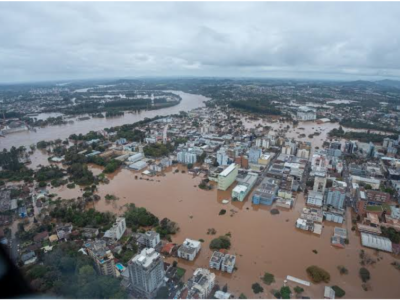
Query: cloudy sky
x=61 y=41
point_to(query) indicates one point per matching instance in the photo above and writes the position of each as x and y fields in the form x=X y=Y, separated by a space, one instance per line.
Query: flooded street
x=26 y=138
x=261 y=241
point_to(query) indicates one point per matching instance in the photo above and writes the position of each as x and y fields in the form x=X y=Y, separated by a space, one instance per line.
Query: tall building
x=117 y=230
x=319 y=182
x=102 y=256
x=254 y=154
x=336 y=197
x=146 y=271
x=186 y=157
x=222 y=157
x=227 y=177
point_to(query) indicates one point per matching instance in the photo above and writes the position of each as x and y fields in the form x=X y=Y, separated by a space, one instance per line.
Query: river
x=26 y=138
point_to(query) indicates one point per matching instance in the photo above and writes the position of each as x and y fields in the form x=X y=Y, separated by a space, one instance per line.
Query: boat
x=225 y=201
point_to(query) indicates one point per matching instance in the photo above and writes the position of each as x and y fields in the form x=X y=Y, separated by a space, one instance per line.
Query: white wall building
x=117 y=230
x=189 y=249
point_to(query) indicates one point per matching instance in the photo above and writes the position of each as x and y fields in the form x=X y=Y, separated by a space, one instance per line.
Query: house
x=228 y=264
x=168 y=248
x=216 y=260
x=200 y=284
x=63 y=231
x=329 y=293
x=28 y=258
x=189 y=249
x=89 y=232
x=41 y=236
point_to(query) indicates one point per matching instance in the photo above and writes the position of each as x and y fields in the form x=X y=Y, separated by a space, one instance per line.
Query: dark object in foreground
x=12 y=284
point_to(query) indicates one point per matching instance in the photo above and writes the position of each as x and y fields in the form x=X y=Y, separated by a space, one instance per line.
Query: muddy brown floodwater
x=261 y=241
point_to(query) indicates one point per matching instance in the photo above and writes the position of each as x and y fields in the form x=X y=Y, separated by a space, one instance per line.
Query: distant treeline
x=363 y=125
x=365 y=137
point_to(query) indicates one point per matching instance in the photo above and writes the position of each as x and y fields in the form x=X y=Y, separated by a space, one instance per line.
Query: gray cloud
x=41 y=41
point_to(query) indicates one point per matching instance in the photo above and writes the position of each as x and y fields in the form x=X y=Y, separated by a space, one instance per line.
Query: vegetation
x=343 y=270
x=361 y=136
x=318 y=274
x=268 y=278
x=339 y=293
x=257 y=288
x=80 y=174
x=298 y=290
x=392 y=234
x=158 y=150
x=242 y=296
x=10 y=166
x=112 y=166
x=139 y=217
x=49 y=173
x=285 y=292
x=83 y=218
x=364 y=274
x=68 y=273
x=167 y=227
x=222 y=242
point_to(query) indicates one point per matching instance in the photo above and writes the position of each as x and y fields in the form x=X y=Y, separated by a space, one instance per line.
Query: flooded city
x=262 y=242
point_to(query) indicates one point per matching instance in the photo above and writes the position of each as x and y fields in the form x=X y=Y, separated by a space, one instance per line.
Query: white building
x=201 y=284
x=222 y=157
x=146 y=272
x=315 y=199
x=189 y=249
x=305 y=113
x=117 y=230
x=135 y=157
x=151 y=239
x=186 y=157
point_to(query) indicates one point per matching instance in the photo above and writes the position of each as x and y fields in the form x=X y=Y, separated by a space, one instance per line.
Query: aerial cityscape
x=188 y=178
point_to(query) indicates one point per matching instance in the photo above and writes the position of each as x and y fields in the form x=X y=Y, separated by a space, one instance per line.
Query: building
x=146 y=272
x=200 y=284
x=373 y=182
x=227 y=177
x=186 y=157
x=189 y=249
x=149 y=239
x=102 y=256
x=228 y=264
x=222 y=157
x=216 y=260
x=305 y=113
x=254 y=155
x=376 y=242
x=266 y=192
x=135 y=157
x=244 y=187
x=319 y=182
x=315 y=199
x=335 y=197
x=117 y=230
x=139 y=165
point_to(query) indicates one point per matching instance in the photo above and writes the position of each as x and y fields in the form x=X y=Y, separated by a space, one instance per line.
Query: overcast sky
x=52 y=41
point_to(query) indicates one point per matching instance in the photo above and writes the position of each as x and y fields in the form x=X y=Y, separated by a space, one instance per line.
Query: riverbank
x=26 y=138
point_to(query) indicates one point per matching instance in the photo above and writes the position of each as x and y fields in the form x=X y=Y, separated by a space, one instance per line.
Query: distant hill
x=389 y=83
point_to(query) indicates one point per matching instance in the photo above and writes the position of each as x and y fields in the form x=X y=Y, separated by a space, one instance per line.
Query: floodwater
x=26 y=138
x=262 y=242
